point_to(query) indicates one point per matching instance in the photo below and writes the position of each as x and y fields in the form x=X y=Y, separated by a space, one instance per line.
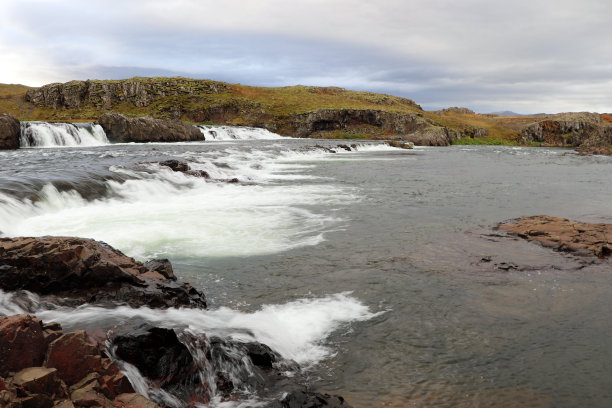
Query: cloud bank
x=527 y=56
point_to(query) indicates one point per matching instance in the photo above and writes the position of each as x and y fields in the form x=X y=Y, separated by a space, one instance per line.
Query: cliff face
x=300 y=111
x=119 y=128
x=575 y=130
x=103 y=94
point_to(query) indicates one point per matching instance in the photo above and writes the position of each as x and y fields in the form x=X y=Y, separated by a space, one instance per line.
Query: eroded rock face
x=120 y=128
x=78 y=270
x=139 y=92
x=10 y=131
x=564 y=235
x=586 y=130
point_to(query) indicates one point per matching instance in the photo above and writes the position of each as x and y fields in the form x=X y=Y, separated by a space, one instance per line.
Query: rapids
x=353 y=264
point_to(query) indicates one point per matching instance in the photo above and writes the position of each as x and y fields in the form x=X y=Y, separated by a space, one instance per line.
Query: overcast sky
x=524 y=55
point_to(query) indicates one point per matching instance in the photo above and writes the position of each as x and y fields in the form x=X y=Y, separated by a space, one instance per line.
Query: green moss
x=485 y=141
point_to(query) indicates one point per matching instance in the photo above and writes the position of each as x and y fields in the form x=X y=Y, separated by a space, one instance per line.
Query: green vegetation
x=485 y=141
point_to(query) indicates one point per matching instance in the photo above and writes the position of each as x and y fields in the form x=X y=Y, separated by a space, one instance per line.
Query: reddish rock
x=114 y=385
x=133 y=400
x=564 y=235
x=40 y=380
x=77 y=270
x=89 y=396
x=23 y=343
x=74 y=357
x=10 y=131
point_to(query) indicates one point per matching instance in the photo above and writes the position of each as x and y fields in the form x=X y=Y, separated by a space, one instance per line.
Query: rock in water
x=77 y=270
x=10 y=131
x=564 y=235
x=120 y=128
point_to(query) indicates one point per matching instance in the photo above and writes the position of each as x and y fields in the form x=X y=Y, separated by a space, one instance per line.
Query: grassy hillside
x=206 y=101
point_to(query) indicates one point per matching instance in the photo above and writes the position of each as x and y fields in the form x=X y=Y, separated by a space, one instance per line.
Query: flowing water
x=353 y=264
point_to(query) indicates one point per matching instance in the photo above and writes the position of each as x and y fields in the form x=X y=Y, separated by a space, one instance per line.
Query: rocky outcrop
x=42 y=367
x=120 y=128
x=138 y=92
x=74 y=271
x=564 y=235
x=459 y=110
x=10 y=131
x=570 y=129
x=306 y=124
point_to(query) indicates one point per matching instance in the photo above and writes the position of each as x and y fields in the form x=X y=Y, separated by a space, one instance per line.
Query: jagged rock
x=341 y=119
x=10 y=130
x=163 y=359
x=570 y=129
x=162 y=266
x=133 y=400
x=89 y=396
x=309 y=399
x=400 y=144
x=74 y=356
x=120 y=128
x=139 y=92
x=261 y=355
x=183 y=167
x=23 y=342
x=78 y=270
x=459 y=110
x=564 y=235
x=40 y=380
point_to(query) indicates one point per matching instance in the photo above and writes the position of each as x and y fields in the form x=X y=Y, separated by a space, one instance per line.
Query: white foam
x=236 y=133
x=297 y=330
x=44 y=134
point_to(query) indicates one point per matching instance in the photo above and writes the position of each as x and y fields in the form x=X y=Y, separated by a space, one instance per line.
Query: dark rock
x=183 y=167
x=585 y=130
x=10 y=131
x=163 y=266
x=261 y=355
x=309 y=399
x=161 y=357
x=78 y=270
x=120 y=128
x=139 y=92
x=345 y=147
x=23 y=343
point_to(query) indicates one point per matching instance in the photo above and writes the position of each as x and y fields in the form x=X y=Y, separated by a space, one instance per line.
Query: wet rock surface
x=73 y=271
x=120 y=128
x=62 y=369
x=10 y=130
x=564 y=235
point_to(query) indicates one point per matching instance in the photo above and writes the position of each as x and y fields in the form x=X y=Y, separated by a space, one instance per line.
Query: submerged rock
x=564 y=235
x=77 y=270
x=10 y=130
x=120 y=128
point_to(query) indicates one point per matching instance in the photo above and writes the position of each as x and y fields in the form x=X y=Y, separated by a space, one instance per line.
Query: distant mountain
x=505 y=113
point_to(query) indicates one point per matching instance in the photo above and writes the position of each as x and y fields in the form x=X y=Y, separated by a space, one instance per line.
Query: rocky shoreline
x=42 y=367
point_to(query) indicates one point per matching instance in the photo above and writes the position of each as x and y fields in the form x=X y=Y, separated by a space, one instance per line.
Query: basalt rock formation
x=120 y=128
x=139 y=92
x=42 y=367
x=10 y=131
x=73 y=271
x=563 y=235
x=584 y=130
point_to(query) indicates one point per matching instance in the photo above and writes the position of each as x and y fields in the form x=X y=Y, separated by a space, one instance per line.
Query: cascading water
x=236 y=133
x=44 y=134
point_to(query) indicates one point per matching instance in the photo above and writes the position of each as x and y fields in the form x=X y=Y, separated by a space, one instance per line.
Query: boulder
x=23 y=342
x=40 y=380
x=10 y=131
x=310 y=399
x=78 y=270
x=120 y=128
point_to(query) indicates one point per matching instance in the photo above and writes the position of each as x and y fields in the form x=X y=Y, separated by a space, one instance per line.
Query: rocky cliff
x=293 y=111
x=120 y=128
x=586 y=130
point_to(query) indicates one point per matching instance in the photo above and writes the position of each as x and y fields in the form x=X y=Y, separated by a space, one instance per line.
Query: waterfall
x=236 y=133
x=45 y=134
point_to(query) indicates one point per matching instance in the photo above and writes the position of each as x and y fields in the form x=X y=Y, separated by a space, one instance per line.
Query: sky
x=527 y=56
